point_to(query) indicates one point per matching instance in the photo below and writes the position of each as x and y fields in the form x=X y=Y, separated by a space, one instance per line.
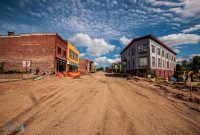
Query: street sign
x=26 y=63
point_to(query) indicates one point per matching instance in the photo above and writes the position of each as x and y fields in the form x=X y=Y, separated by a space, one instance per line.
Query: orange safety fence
x=73 y=74
x=59 y=74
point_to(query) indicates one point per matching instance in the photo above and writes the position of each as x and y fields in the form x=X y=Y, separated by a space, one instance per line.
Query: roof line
x=151 y=37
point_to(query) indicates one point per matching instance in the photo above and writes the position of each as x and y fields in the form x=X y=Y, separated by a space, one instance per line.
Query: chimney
x=11 y=33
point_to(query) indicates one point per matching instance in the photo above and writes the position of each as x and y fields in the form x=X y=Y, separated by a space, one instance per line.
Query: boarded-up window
x=143 y=61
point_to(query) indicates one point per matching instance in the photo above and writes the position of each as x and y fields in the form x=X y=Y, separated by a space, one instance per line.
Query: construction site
x=97 y=104
x=62 y=93
x=100 y=67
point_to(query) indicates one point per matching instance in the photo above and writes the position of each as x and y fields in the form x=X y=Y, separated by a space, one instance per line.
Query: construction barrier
x=73 y=74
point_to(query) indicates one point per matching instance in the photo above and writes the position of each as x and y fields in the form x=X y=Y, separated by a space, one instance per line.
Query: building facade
x=148 y=53
x=73 y=57
x=92 y=67
x=84 y=65
x=45 y=51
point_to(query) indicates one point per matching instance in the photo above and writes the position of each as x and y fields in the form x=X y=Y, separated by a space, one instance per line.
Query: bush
x=152 y=73
x=177 y=73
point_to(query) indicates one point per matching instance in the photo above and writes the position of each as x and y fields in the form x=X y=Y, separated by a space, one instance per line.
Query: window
x=163 y=53
x=64 y=54
x=71 y=54
x=159 y=62
x=133 y=51
x=153 y=48
x=158 y=51
x=174 y=59
x=59 y=51
x=169 y=56
x=133 y=63
x=142 y=48
x=166 y=55
x=153 y=61
x=168 y=64
x=163 y=64
x=145 y=47
x=143 y=61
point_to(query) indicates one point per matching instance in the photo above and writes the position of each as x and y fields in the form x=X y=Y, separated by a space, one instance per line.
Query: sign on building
x=26 y=63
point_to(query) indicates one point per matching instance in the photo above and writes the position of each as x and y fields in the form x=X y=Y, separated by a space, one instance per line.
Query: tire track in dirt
x=78 y=102
x=125 y=121
x=180 y=115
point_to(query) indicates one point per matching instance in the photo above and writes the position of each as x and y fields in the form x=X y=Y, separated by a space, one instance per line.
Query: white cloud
x=82 y=54
x=167 y=15
x=188 y=58
x=192 y=55
x=35 y=14
x=114 y=2
x=125 y=41
x=190 y=8
x=95 y=47
x=82 y=39
x=191 y=29
x=116 y=55
x=165 y=3
x=179 y=60
x=181 y=38
x=176 y=50
x=157 y=10
x=105 y=60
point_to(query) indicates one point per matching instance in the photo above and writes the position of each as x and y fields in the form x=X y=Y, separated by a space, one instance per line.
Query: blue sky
x=102 y=28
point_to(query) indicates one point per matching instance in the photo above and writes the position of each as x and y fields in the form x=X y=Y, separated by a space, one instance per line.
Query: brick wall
x=84 y=65
x=39 y=49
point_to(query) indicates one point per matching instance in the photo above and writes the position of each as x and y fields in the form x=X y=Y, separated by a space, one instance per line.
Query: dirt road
x=92 y=105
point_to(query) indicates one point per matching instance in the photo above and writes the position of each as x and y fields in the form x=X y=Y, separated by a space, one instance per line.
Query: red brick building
x=84 y=66
x=46 y=51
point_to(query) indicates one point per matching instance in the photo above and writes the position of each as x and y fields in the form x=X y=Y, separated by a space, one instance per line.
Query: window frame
x=153 y=48
x=153 y=61
x=145 y=63
x=59 y=51
x=159 y=62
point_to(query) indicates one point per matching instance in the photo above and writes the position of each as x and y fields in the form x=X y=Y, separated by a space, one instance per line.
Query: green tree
x=178 y=67
x=195 y=64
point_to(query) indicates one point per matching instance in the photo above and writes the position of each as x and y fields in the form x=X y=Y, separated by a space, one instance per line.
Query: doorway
x=61 y=65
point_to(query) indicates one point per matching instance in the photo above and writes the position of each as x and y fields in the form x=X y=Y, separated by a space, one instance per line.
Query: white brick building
x=149 y=53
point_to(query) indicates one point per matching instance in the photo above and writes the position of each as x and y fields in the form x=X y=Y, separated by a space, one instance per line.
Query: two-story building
x=45 y=51
x=73 y=57
x=148 y=53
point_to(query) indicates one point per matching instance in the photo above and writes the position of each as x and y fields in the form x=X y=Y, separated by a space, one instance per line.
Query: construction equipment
x=191 y=76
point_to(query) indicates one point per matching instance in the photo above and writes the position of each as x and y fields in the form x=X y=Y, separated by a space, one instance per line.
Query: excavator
x=191 y=76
